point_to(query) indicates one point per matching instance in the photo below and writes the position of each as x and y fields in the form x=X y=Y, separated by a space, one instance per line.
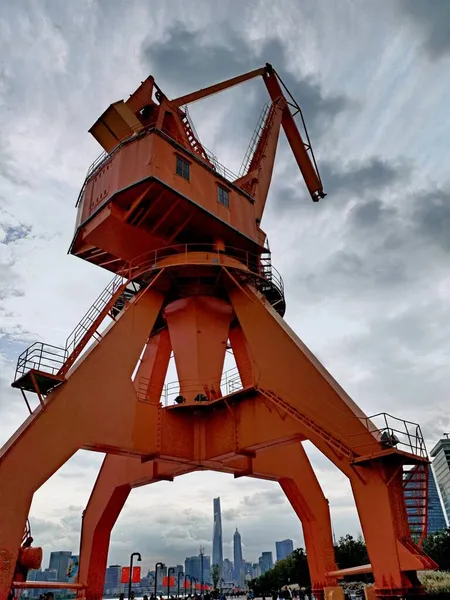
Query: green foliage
x=437 y=546
x=292 y=569
x=350 y=552
x=215 y=575
x=435 y=582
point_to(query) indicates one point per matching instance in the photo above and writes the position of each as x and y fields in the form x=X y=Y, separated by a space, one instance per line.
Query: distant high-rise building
x=284 y=548
x=441 y=468
x=265 y=562
x=217 y=549
x=421 y=506
x=193 y=568
x=256 y=570
x=59 y=561
x=227 y=570
x=112 y=579
x=238 y=560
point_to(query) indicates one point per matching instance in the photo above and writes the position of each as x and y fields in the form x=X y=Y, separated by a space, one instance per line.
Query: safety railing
x=93 y=312
x=210 y=157
x=40 y=357
x=229 y=384
x=254 y=141
x=104 y=157
x=257 y=264
x=392 y=432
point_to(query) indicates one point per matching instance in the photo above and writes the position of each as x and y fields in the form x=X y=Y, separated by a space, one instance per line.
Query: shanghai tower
x=217 y=552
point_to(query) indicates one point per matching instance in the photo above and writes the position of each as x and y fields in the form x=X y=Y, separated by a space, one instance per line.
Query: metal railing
x=40 y=357
x=92 y=313
x=230 y=382
x=392 y=432
x=259 y=265
x=210 y=159
x=254 y=141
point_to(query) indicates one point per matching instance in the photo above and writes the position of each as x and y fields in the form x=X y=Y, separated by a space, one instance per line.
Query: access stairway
x=42 y=367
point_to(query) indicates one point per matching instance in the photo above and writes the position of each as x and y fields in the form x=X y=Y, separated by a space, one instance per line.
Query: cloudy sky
x=366 y=270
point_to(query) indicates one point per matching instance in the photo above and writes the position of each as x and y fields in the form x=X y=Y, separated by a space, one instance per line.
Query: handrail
x=104 y=157
x=257 y=264
x=395 y=432
x=230 y=382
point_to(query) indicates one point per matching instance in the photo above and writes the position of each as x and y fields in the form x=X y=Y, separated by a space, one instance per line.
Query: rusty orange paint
x=159 y=211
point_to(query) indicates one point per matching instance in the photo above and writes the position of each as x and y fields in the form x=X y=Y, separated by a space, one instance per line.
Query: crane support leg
x=73 y=417
x=117 y=476
x=289 y=465
x=379 y=501
x=293 y=379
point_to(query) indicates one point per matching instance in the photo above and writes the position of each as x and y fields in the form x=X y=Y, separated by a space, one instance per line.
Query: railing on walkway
x=40 y=357
x=229 y=383
x=92 y=313
x=393 y=432
x=104 y=157
x=258 y=264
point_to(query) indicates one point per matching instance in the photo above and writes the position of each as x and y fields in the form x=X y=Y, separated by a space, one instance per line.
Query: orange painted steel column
x=117 y=476
x=73 y=418
x=242 y=357
x=289 y=465
x=382 y=514
x=290 y=371
x=198 y=329
x=151 y=374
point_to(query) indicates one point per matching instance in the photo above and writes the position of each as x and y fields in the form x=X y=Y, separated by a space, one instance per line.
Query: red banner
x=170 y=583
x=187 y=584
x=135 y=575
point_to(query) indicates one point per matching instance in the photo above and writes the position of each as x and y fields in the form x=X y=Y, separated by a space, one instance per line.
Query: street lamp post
x=202 y=552
x=196 y=581
x=131 y=571
x=180 y=574
x=161 y=565
x=187 y=576
x=168 y=581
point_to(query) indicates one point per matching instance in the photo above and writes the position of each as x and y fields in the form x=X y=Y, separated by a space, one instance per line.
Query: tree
x=292 y=569
x=350 y=552
x=437 y=546
x=215 y=575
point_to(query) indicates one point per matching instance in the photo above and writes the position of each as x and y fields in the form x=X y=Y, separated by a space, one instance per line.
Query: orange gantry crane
x=193 y=278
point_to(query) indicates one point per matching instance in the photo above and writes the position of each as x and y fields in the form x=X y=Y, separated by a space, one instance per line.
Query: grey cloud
x=432 y=217
x=432 y=19
x=360 y=177
x=265 y=498
x=187 y=61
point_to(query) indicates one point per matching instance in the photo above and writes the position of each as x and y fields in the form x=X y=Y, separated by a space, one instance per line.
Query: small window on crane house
x=182 y=168
x=223 y=196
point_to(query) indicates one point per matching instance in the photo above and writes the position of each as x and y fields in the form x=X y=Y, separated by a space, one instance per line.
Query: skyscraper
x=193 y=568
x=59 y=561
x=238 y=560
x=441 y=468
x=419 y=507
x=217 y=549
x=284 y=548
x=112 y=579
x=265 y=562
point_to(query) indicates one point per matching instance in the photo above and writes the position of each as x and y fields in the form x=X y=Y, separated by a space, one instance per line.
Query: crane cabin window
x=223 y=196
x=182 y=168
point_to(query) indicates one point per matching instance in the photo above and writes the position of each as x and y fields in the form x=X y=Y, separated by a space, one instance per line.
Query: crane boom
x=300 y=149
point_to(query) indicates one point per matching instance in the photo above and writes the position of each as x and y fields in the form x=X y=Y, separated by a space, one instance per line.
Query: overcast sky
x=365 y=270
